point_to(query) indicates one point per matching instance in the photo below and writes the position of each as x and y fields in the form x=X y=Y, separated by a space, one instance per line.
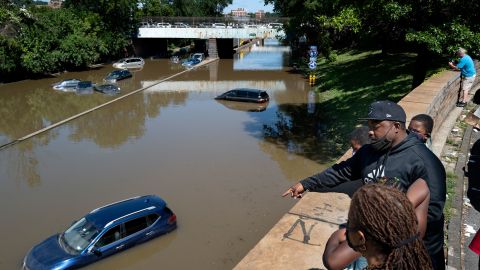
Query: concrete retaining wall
x=298 y=240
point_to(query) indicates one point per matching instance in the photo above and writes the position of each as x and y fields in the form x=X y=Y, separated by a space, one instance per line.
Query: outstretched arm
x=339 y=173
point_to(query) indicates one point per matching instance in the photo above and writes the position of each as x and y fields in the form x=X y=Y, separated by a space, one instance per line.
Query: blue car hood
x=46 y=254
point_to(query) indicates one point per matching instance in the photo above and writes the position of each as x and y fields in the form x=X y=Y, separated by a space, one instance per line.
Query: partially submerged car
x=245 y=95
x=194 y=59
x=103 y=232
x=132 y=62
x=108 y=89
x=67 y=85
x=84 y=88
x=118 y=75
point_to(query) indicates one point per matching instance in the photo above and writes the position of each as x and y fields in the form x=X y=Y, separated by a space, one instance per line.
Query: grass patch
x=462 y=125
x=450 y=141
x=348 y=85
x=447 y=210
x=345 y=89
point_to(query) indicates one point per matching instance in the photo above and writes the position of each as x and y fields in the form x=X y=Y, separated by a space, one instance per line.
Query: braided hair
x=388 y=220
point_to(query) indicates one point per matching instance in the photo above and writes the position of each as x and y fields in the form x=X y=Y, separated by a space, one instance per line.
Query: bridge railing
x=152 y=21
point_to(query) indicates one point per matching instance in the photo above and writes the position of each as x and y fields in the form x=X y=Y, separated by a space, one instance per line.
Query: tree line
x=431 y=28
x=37 y=40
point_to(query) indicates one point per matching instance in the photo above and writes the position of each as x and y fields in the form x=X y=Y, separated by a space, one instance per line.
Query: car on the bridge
x=203 y=25
x=194 y=59
x=245 y=95
x=131 y=62
x=144 y=25
x=118 y=75
x=275 y=25
x=108 y=89
x=163 y=25
x=219 y=25
x=180 y=25
x=67 y=85
x=84 y=88
x=103 y=232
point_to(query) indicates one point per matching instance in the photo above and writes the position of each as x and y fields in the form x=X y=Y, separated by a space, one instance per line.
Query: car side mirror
x=97 y=252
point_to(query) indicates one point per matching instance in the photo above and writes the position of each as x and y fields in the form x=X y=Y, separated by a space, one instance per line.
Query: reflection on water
x=114 y=125
x=30 y=105
x=220 y=166
x=244 y=106
x=272 y=56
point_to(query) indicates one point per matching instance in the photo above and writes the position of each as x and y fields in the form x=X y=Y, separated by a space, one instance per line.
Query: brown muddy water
x=220 y=166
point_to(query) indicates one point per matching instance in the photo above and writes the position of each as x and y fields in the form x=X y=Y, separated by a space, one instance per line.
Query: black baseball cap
x=385 y=110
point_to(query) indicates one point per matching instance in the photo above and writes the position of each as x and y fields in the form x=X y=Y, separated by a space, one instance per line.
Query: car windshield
x=84 y=85
x=79 y=235
x=114 y=74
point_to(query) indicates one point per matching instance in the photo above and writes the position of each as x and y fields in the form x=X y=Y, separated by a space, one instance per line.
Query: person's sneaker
x=461 y=104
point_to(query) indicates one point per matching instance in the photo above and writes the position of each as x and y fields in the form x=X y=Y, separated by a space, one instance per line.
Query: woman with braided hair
x=383 y=227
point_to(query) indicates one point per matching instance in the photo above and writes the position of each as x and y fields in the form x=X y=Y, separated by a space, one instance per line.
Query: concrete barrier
x=298 y=240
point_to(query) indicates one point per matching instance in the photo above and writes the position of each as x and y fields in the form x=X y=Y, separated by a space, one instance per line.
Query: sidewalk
x=471 y=217
x=465 y=220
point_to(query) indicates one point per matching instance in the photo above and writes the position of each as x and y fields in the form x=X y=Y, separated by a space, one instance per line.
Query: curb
x=454 y=233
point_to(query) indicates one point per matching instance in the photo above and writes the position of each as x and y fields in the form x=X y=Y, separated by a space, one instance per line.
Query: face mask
x=382 y=144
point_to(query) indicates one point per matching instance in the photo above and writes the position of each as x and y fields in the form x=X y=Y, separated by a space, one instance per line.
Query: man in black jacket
x=397 y=156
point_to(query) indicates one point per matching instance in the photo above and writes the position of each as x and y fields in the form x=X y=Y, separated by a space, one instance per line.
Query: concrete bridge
x=208 y=33
x=217 y=42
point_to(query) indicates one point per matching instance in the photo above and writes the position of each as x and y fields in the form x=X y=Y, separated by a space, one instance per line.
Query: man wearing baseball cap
x=394 y=156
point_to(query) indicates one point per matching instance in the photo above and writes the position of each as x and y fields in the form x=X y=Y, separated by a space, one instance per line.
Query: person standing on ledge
x=467 y=69
x=398 y=156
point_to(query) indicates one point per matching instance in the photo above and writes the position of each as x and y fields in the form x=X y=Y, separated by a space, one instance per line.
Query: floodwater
x=220 y=166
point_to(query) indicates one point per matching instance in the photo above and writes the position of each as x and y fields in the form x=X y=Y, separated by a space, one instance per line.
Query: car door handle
x=149 y=233
x=119 y=247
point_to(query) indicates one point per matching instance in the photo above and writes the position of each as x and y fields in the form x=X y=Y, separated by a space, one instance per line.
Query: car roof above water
x=105 y=214
x=251 y=90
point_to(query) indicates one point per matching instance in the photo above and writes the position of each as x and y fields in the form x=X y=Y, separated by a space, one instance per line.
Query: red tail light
x=172 y=219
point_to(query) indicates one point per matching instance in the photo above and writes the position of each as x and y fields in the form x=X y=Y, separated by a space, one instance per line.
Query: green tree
x=200 y=8
x=10 y=24
x=118 y=20
x=155 y=8
x=118 y=15
x=58 y=40
x=430 y=28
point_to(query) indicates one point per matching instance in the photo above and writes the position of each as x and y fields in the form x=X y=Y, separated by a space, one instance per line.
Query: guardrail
x=209 y=22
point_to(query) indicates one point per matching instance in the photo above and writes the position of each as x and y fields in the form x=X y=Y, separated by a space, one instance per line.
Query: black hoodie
x=407 y=161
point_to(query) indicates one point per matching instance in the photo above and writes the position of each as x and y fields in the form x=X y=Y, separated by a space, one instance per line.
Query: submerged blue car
x=103 y=232
x=195 y=59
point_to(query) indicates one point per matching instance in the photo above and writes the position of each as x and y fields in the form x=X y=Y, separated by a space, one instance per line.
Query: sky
x=249 y=6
